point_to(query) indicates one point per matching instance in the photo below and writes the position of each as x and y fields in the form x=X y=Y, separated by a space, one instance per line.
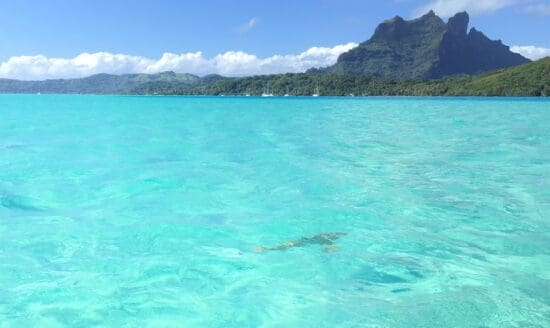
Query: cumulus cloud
x=531 y=52
x=249 y=25
x=447 y=8
x=231 y=63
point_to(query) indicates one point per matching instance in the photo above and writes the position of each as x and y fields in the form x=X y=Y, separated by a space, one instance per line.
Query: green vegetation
x=532 y=79
x=104 y=84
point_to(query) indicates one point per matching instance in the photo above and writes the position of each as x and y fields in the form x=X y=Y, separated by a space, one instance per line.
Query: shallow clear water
x=148 y=211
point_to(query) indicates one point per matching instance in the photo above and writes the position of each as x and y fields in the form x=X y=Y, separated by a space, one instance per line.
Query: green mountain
x=109 y=84
x=426 y=47
x=531 y=79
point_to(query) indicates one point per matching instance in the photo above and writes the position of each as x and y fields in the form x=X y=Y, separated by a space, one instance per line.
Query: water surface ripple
x=152 y=211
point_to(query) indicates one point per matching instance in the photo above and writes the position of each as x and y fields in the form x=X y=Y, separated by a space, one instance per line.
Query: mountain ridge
x=426 y=47
x=103 y=83
x=531 y=79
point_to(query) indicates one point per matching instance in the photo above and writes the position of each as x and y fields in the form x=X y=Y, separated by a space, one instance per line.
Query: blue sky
x=65 y=29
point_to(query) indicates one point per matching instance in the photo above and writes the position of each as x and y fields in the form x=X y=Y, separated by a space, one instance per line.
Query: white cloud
x=231 y=63
x=447 y=8
x=539 y=9
x=249 y=25
x=531 y=52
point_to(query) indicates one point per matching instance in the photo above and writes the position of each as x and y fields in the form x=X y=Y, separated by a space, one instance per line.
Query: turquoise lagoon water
x=148 y=212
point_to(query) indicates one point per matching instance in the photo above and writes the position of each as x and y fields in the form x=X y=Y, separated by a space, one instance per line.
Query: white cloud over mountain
x=447 y=8
x=531 y=52
x=231 y=63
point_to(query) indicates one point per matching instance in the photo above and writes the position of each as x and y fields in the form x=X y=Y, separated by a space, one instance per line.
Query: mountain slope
x=531 y=79
x=426 y=47
x=100 y=83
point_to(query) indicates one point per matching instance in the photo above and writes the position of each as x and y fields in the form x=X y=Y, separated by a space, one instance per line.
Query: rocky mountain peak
x=458 y=24
x=426 y=47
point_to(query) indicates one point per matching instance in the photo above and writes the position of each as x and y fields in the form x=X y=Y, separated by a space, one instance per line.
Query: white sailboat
x=316 y=94
x=266 y=93
x=286 y=94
